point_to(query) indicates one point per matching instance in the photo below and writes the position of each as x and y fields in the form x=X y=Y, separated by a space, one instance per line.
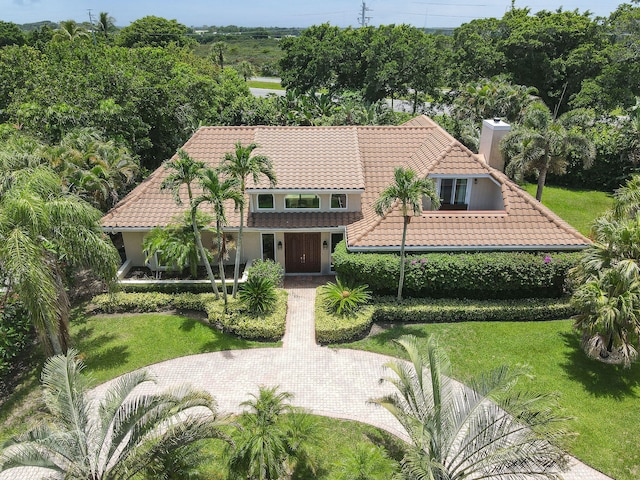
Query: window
x=338 y=200
x=336 y=238
x=265 y=201
x=302 y=200
x=268 y=246
x=453 y=194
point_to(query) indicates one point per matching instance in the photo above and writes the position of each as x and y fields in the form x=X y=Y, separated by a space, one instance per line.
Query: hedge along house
x=327 y=181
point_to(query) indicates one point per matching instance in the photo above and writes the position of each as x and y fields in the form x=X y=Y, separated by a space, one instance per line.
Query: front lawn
x=579 y=208
x=602 y=399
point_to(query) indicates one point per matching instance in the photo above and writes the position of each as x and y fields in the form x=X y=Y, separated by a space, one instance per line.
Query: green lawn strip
x=115 y=344
x=602 y=399
x=267 y=85
x=338 y=439
x=579 y=208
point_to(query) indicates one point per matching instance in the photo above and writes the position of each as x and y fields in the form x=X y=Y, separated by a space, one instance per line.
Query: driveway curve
x=330 y=382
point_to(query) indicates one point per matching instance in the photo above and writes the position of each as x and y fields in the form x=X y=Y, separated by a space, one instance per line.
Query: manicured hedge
x=333 y=328
x=460 y=275
x=236 y=320
x=170 y=287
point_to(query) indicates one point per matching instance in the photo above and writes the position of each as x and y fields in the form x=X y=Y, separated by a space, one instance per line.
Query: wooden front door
x=302 y=252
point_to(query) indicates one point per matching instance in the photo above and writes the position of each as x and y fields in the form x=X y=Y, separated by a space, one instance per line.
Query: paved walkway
x=330 y=382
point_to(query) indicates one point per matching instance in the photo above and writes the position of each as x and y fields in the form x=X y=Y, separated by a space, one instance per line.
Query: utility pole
x=93 y=28
x=363 y=20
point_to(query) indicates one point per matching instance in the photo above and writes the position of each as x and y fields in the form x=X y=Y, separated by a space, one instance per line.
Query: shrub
x=343 y=300
x=460 y=275
x=258 y=295
x=16 y=334
x=332 y=328
x=237 y=320
x=267 y=269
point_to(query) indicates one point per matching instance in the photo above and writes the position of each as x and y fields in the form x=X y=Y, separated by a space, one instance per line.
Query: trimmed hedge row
x=169 y=287
x=332 y=328
x=483 y=275
x=236 y=320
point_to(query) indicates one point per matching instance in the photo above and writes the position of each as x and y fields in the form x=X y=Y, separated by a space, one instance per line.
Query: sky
x=286 y=13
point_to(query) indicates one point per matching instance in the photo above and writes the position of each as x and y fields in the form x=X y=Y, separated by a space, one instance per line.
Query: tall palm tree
x=408 y=191
x=480 y=431
x=274 y=440
x=218 y=50
x=43 y=232
x=542 y=144
x=217 y=193
x=185 y=171
x=116 y=437
x=242 y=165
x=105 y=24
x=69 y=31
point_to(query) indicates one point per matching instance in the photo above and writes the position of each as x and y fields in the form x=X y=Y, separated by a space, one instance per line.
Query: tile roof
x=363 y=158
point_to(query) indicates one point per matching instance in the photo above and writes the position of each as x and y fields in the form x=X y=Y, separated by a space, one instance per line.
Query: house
x=327 y=181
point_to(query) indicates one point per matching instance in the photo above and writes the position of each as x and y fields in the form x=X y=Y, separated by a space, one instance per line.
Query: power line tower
x=363 y=20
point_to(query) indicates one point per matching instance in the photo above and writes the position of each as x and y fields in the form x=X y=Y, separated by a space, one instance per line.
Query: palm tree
x=185 y=171
x=43 y=232
x=69 y=31
x=366 y=461
x=105 y=24
x=480 y=431
x=117 y=437
x=245 y=69
x=217 y=193
x=241 y=165
x=407 y=190
x=218 y=50
x=607 y=296
x=274 y=440
x=543 y=143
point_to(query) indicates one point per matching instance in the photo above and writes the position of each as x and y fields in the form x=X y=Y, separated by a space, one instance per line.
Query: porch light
x=279 y=244
x=325 y=245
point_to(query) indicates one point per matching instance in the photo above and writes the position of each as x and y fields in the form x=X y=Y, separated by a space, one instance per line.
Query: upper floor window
x=265 y=201
x=453 y=193
x=302 y=200
x=338 y=200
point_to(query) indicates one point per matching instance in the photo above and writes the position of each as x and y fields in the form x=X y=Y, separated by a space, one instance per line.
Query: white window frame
x=262 y=209
x=467 y=197
x=346 y=202
x=275 y=245
x=319 y=207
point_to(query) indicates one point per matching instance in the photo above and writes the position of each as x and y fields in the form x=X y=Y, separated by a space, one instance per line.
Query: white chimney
x=493 y=131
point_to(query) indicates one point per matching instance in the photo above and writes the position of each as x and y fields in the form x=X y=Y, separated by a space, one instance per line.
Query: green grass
x=338 y=439
x=602 y=399
x=579 y=208
x=267 y=85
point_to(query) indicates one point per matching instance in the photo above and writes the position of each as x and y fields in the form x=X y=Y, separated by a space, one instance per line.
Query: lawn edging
x=235 y=320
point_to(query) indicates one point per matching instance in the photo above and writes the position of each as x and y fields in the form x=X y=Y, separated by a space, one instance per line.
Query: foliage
x=258 y=294
x=408 y=190
x=16 y=333
x=366 y=462
x=608 y=277
x=128 y=433
x=543 y=143
x=274 y=440
x=10 y=34
x=267 y=269
x=466 y=432
x=69 y=31
x=342 y=299
x=460 y=275
x=153 y=31
x=332 y=328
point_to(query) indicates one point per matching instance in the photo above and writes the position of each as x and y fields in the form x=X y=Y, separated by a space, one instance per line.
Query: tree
x=543 y=143
x=106 y=24
x=69 y=31
x=217 y=193
x=242 y=165
x=10 y=34
x=407 y=190
x=246 y=70
x=607 y=296
x=43 y=233
x=274 y=440
x=485 y=430
x=218 y=49
x=185 y=171
x=117 y=437
x=153 y=31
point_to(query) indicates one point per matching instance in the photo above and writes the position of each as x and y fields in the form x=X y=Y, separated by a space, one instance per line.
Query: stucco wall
x=485 y=195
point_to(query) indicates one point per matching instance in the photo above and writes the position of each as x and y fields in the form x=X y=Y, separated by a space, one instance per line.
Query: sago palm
x=242 y=165
x=407 y=192
x=217 y=193
x=542 y=144
x=485 y=430
x=114 y=438
x=184 y=170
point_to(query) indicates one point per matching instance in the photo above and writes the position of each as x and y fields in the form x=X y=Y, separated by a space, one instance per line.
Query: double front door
x=302 y=252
